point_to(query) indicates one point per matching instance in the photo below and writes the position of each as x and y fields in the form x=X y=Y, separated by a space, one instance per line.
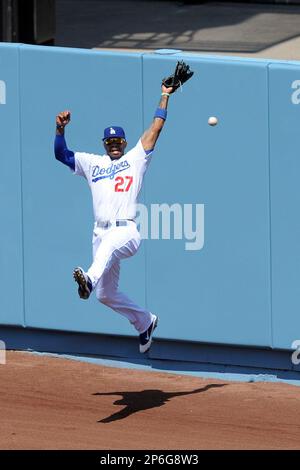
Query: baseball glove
x=181 y=75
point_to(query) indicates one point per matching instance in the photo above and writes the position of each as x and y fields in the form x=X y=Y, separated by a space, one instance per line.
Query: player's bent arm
x=62 y=153
x=151 y=135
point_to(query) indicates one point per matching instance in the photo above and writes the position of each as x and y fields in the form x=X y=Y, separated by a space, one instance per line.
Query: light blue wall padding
x=285 y=202
x=100 y=90
x=11 y=263
x=244 y=170
x=222 y=292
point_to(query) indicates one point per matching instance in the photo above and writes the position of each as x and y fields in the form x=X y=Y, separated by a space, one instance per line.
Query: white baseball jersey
x=115 y=184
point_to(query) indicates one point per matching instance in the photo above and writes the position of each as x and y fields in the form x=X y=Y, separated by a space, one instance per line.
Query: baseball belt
x=115 y=223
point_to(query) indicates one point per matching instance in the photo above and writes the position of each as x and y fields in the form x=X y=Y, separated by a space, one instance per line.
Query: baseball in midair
x=212 y=121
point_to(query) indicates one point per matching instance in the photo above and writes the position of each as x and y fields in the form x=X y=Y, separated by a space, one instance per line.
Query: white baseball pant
x=110 y=245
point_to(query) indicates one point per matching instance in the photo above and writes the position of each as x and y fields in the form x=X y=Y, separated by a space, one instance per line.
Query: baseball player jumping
x=115 y=180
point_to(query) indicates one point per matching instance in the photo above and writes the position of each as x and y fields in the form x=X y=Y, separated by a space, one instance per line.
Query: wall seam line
x=21 y=189
x=270 y=208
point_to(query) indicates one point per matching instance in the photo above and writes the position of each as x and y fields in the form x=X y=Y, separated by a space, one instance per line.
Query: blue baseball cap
x=114 y=131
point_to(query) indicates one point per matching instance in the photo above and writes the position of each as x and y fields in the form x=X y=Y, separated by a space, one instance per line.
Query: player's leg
x=108 y=249
x=124 y=240
x=107 y=292
x=119 y=242
x=107 y=287
x=85 y=286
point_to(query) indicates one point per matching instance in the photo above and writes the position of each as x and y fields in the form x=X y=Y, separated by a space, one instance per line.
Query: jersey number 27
x=123 y=184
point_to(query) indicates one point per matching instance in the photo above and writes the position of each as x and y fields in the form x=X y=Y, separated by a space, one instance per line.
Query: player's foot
x=84 y=283
x=146 y=337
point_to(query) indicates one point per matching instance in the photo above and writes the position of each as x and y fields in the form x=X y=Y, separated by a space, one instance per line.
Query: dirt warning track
x=54 y=403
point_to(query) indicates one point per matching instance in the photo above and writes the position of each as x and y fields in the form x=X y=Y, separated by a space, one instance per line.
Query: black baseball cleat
x=146 y=337
x=84 y=283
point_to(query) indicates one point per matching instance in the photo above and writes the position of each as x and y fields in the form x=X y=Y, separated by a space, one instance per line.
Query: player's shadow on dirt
x=146 y=399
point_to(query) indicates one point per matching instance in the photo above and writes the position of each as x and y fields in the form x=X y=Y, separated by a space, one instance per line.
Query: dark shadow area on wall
x=258 y=364
x=193 y=26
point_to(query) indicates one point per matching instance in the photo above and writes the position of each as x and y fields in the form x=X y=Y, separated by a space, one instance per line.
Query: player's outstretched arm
x=62 y=153
x=151 y=135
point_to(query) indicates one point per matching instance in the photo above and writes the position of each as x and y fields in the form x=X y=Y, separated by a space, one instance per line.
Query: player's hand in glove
x=181 y=75
x=165 y=89
x=62 y=119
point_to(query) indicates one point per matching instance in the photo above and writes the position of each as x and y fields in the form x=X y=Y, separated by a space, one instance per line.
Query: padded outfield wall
x=236 y=283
